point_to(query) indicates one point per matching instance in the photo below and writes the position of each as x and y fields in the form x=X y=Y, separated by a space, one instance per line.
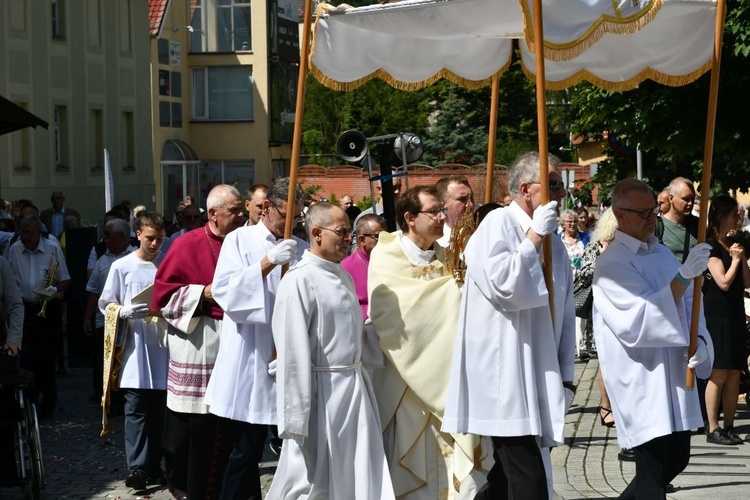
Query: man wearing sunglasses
x=414 y=304
x=241 y=390
x=368 y=231
x=512 y=368
x=642 y=312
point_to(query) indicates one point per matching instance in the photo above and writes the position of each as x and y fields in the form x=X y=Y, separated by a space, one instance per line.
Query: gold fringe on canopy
x=332 y=84
x=605 y=24
x=631 y=83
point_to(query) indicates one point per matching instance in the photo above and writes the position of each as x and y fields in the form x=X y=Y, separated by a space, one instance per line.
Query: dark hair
x=481 y=212
x=149 y=219
x=256 y=187
x=721 y=206
x=442 y=184
x=352 y=212
x=409 y=202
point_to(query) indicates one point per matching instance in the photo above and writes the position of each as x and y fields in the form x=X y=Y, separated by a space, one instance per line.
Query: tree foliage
x=669 y=123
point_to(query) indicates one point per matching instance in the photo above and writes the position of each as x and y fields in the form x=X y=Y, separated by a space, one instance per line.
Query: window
x=60 y=138
x=94 y=23
x=125 y=26
x=17 y=15
x=58 y=18
x=165 y=117
x=96 y=153
x=21 y=147
x=220 y=25
x=223 y=93
x=128 y=142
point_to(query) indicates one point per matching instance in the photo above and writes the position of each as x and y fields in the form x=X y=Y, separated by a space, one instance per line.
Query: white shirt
x=240 y=387
x=642 y=338
x=98 y=277
x=144 y=362
x=509 y=359
x=29 y=266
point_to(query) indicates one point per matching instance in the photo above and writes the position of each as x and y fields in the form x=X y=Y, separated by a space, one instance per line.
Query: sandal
x=603 y=418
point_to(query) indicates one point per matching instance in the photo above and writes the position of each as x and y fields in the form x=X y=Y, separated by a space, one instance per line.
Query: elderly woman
x=574 y=240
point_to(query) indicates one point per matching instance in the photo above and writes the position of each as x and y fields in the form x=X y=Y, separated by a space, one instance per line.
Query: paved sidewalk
x=81 y=465
x=587 y=467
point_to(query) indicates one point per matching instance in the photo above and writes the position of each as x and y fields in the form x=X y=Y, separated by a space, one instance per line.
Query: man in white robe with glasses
x=326 y=404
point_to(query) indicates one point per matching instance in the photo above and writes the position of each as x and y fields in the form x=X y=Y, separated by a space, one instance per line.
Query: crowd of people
x=387 y=371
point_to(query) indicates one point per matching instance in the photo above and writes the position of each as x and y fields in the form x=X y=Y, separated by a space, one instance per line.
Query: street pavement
x=588 y=467
x=81 y=465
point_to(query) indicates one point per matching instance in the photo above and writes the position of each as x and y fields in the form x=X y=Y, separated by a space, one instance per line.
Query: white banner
x=109 y=183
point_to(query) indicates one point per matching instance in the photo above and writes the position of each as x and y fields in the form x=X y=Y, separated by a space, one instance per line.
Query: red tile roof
x=156 y=10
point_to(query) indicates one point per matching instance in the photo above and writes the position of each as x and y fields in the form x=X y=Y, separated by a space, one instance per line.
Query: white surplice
x=642 y=338
x=144 y=362
x=326 y=405
x=240 y=387
x=509 y=362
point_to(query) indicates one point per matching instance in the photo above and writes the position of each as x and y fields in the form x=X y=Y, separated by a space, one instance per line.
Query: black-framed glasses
x=436 y=212
x=553 y=185
x=374 y=236
x=341 y=232
x=297 y=219
x=644 y=214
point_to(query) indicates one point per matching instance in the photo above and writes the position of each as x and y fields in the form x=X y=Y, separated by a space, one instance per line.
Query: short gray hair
x=119 y=226
x=318 y=215
x=279 y=192
x=568 y=212
x=675 y=184
x=622 y=190
x=526 y=169
x=221 y=195
x=369 y=220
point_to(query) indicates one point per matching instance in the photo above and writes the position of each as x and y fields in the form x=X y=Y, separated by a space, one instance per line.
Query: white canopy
x=614 y=44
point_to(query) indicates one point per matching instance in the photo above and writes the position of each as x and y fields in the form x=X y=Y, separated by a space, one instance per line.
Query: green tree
x=669 y=123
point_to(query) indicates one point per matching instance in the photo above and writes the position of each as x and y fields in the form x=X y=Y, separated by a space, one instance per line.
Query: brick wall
x=346 y=179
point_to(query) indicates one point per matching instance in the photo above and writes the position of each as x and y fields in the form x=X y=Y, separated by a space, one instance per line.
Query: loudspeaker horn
x=352 y=146
x=408 y=145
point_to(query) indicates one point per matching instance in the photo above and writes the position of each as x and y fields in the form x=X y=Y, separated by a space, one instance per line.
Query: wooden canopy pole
x=708 y=151
x=298 y=119
x=492 y=140
x=541 y=113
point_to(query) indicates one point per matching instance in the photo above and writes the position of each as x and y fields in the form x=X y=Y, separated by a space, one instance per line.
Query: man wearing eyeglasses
x=191 y=219
x=241 y=390
x=512 y=369
x=414 y=304
x=642 y=312
x=357 y=264
x=327 y=411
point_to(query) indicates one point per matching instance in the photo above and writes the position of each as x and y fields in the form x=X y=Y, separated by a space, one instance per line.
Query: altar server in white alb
x=512 y=369
x=241 y=391
x=326 y=405
x=143 y=377
x=642 y=308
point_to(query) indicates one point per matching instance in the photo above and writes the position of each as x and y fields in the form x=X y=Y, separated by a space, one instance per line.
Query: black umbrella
x=13 y=117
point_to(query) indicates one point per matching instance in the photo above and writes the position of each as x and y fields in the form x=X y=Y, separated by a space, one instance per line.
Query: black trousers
x=39 y=349
x=657 y=462
x=242 y=475
x=97 y=361
x=196 y=448
x=518 y=473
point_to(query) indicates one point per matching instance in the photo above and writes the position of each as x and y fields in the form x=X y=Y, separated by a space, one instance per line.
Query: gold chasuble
x=414 y=309
x=112 y=359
